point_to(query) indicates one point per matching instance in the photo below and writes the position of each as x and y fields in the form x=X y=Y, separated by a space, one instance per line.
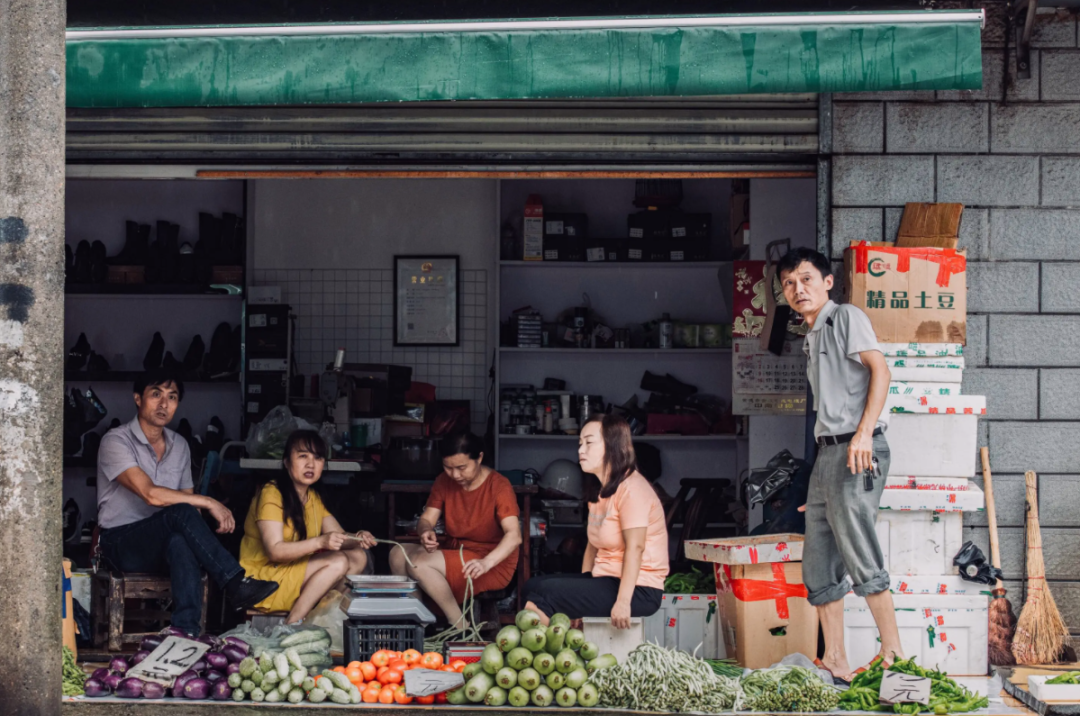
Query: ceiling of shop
x=108 y=13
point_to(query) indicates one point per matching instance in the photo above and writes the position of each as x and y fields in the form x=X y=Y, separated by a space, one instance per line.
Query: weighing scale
x=384 y=598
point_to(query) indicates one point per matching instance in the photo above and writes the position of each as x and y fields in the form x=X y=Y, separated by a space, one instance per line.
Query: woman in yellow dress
x=291 y=538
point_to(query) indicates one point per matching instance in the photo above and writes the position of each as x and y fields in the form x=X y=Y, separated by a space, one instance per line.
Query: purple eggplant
x=130 y=688
x=118 y=665
x=95 y=688
x=200 y=666
x=221 y=691
x=232 y=668
x=178 y=684
x=139 y=657
x=112 y=681
x=234 y=653
x=153 y=690
x=149 y=643
x=213 y=676
x=219 y=662
x=197 y=689
x=238 y=643
x=173 y=631
x=100 y=674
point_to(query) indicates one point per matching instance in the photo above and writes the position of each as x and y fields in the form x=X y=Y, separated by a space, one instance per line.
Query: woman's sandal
x=837 y=681
x=879 y=659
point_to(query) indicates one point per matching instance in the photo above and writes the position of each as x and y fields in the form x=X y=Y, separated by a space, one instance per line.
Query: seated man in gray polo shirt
x=148 y=511
x=850 y=380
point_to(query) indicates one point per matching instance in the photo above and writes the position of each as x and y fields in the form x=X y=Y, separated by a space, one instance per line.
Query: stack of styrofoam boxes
x=932 y=438
x=688 y=622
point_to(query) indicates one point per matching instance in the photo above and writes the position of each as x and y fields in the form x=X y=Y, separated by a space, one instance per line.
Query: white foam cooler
x=920 y=543
x=946 y=632
x=941 y=499
x=689 y=623
x=942 y=445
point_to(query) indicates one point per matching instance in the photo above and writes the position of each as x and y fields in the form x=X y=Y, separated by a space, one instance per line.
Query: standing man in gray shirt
x=850 y=381
x=148 y=511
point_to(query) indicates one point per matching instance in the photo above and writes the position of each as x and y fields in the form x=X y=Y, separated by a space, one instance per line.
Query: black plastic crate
x=362 y=639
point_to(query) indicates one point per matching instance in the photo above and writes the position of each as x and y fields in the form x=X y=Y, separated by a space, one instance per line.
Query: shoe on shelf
x=185 y=264
x=247 y=592
x=154 y=259
x=83 y=258
x=170 y=251
x=155 y=354
x=136 y=245
x=78 y=354
x=91 y=410
x=232 y=240
x=170 y=362
x=99 y=268
x=97 y=363
x=193 y=359
x=218 y=358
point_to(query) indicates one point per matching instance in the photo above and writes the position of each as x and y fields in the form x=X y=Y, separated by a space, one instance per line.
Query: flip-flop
x=876 y=660
x=837 y=681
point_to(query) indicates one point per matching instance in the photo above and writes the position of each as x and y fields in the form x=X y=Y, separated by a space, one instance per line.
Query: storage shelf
x=682 y=265
x=128 y=376
x=648 y=438
x=618 y=351
x=148 y=289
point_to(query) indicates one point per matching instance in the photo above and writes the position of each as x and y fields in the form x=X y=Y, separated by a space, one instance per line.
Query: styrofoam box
x=927 y=363
x=936 y=404
x=970 y=499
x=932 y=445
x=935 y=584
x=1044 y=692
x=899 y=387
x=687 y=622
x=922 y=350
x=928 y=375
x=948 y=633
x=910 y=482
x=617 y=642
x=920 y=543
x=747 y=550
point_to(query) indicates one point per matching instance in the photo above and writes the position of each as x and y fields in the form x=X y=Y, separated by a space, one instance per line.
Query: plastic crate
x=362 y=639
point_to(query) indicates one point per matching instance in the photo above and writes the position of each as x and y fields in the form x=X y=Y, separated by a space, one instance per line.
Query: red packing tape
x=948 y=260
x=758 y=590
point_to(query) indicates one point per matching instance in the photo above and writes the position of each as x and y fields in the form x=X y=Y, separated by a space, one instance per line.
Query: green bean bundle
x=656 y=679
x=73 y=677
x=788 y=688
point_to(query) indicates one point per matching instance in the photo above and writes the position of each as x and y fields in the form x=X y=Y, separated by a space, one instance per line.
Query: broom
x=1002 y=621
x=1040 y=632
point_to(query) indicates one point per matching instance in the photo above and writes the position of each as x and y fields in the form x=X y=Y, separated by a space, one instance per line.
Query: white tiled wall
x=353 y=309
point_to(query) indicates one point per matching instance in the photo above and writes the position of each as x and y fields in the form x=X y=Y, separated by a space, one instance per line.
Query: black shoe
x=97 y=363
x=91 y=443
x=247 y=592
x=170 y=251
x=99 y=268
x=220 y=355
x=89 y=409
x=156 y=353
x=215 y=434
x=232 y=240
x=154 y=260
x=76 y=357
x=136 y=245
x=208 y=247
x=72 y=520
x=82 y=269
x=193 y=359
x=185 y=264
x=170 y=362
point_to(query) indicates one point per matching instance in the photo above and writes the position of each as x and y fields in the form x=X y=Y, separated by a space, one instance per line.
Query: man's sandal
x=837 y=681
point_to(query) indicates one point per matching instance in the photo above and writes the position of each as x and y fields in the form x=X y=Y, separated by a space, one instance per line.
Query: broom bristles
x=1002 y=630
x=1040 y=631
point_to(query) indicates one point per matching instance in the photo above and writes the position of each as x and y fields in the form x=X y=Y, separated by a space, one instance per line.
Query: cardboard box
x=936 y=404
x=746 y=550
x=955 y=484
x=920 y=543
x=688 y=623
x=915 y=388
x=912 y=295
x=922 y=350
x=932 y=445
x=533 y=229
x=764 y=614
x=945 y=632
x=969 y=499
x=565 y=236
x=930 y=225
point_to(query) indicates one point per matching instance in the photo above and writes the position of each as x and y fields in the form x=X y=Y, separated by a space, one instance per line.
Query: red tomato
x=393 y=676
x=451 y=669
x=400 y=697
x=381 y=672
x=370 y=696
x=339 y=669
x=386 y=696
x=380 y=658
x=431 y=660
x=458 y=665
x=441 y=699
x=397 y=664
x=410 y=656
x=425 y=700
x=369 y=670
x=354 y=674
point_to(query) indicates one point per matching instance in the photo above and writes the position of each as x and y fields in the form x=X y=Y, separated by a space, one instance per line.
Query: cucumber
x=273 y=696
x=248 y=667
x=270 y=678
x=312 y=647
x=265 y=663
x=304 y=636
x=308 y=684
x=235 y=680
x=258 y=695
x=296 y=696
x=321 y=660
x=338 y=679
x=298 y=677
x=285 y=686
x=316 y=696
x=293 y=658
x=281 y=665
x=340 y=697
x=238 y=695
x=478 y=686
x=354 y=695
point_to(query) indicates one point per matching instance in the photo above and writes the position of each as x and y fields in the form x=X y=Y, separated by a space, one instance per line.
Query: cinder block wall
x=1011 y=154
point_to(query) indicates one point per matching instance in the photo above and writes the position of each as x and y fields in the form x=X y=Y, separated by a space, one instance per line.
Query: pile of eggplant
x=206 y=679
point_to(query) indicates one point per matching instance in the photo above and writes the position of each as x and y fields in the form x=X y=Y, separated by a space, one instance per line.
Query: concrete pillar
x=31 y=352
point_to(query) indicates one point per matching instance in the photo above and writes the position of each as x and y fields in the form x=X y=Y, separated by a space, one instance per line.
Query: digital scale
x=384 y=598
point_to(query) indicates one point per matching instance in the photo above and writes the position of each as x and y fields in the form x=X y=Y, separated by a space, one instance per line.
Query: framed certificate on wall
x=426 y=301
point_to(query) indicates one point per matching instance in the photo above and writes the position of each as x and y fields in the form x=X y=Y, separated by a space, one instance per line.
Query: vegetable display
x=657 y=679
x=725 y=667
x=946 y=696
x=74 y=678
x=1069 y=677
x=693 y=582
x=788 y=688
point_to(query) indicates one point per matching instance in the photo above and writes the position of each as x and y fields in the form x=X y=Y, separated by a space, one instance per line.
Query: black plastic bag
x=973 y=565
x=766 y=482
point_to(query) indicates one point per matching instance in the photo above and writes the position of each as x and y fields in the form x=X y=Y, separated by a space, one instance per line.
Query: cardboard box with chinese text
x=912 y=295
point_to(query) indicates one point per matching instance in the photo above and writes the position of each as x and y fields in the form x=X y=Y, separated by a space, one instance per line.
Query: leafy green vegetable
x=73 y=676
x=946 y=696
x=725 y=667
x=693 y=582
x=1069 y=677
x=788 y=688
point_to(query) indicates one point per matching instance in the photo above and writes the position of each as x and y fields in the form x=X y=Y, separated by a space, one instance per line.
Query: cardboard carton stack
x=914 y=292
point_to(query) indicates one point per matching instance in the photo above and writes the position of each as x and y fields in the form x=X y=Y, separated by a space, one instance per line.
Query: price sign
x=175 y=656
x=425 y=682
x=897 y=688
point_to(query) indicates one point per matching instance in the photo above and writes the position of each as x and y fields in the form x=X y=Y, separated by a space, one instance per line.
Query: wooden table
x=392 y=489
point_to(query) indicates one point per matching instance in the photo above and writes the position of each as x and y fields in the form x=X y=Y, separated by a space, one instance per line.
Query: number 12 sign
x=175 y=656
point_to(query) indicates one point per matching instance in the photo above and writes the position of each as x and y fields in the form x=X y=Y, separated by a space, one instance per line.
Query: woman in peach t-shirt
x=626 y=561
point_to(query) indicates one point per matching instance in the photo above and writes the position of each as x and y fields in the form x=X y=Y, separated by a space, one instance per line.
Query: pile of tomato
x=381 y=680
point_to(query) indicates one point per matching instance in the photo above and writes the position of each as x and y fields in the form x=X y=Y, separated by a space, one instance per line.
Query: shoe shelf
x=153 y=289
x=642 y=438
x=618 y=351
x=128 y=376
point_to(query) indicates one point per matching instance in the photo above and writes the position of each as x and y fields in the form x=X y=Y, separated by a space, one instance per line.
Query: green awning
x=543 y=59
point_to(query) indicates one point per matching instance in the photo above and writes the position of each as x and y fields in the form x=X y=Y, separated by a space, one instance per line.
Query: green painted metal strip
x=541 y=64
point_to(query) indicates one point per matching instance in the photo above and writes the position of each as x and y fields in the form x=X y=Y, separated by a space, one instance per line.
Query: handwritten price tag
x=425 y=682
x=175 y=656
x=897 y=688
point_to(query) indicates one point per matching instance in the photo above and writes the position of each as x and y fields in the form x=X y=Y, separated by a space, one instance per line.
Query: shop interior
x=300 y=273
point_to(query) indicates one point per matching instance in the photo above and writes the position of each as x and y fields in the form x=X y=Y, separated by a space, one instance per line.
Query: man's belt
x=841 y=439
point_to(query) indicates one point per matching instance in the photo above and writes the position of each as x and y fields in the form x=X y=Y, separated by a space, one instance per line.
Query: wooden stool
x=265 y=621
x=109 y=592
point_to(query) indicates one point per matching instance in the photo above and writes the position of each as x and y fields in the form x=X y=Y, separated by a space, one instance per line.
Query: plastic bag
x=765 y=482
x=973 y=565
x=329 y=615
x=261 y=640
x=266 y=439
